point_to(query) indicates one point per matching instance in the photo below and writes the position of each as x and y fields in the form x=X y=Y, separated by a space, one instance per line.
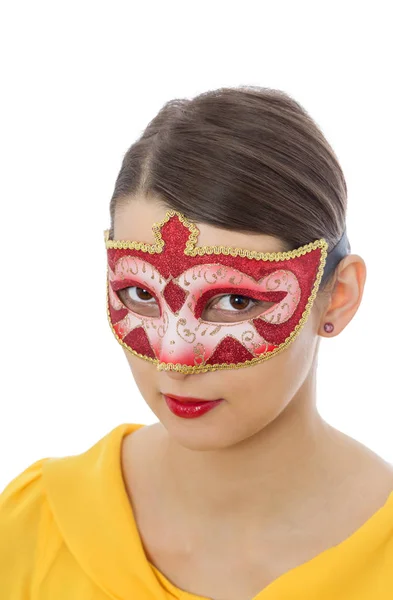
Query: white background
x=79 y=82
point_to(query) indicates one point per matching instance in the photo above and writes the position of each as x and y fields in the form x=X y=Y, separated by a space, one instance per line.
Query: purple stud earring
x=328 y=327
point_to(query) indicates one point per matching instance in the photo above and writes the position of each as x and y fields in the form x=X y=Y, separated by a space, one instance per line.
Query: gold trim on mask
x=193 y=250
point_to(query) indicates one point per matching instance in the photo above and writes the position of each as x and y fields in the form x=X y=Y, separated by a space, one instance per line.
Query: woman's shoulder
x=22 y=496
x=21 y=511
x=53 y=505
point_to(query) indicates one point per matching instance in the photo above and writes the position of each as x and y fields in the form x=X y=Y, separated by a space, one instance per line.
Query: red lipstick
x=189 y=408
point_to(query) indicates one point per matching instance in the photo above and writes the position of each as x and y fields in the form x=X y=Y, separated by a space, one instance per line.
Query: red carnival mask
x=181 y=278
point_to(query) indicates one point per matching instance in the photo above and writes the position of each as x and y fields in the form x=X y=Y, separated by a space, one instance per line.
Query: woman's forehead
x=134 y=221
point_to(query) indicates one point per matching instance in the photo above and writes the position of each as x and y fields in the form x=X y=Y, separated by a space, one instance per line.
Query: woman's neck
x=294 y=458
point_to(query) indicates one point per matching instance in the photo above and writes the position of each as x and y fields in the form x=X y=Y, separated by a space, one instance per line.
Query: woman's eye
x=231 y=301
x=231 y=306
x=236 y=302
x=139 y=300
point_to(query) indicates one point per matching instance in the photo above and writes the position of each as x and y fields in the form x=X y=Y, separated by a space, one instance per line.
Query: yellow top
x=67 y=530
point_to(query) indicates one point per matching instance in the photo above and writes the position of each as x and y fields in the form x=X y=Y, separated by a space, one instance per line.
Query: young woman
x=228 y=262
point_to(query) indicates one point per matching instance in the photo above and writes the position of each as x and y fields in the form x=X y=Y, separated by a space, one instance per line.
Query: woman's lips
x=189 y=408
x=188 y=399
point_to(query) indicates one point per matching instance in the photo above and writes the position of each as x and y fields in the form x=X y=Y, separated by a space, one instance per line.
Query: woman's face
x=254 y=395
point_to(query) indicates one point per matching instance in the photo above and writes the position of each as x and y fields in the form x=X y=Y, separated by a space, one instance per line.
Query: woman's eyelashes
x=226 y=307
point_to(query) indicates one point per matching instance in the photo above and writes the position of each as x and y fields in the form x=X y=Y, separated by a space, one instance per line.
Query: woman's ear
x=345 y=296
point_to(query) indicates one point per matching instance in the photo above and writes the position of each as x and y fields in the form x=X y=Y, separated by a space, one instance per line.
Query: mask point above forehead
x=176 y=245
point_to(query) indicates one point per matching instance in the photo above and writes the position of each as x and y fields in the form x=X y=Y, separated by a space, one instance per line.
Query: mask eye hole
x=232 y=308
x=233 y=304
x=140 y=300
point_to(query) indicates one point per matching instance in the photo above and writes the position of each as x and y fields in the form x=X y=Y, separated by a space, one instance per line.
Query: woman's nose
x=175 y=375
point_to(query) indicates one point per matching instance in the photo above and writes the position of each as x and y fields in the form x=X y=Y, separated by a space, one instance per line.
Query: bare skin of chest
x=215 y=561
x=230 y=575
x=221 y=568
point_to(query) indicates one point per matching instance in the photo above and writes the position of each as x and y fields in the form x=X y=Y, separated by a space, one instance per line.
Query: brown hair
x=247 y=158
